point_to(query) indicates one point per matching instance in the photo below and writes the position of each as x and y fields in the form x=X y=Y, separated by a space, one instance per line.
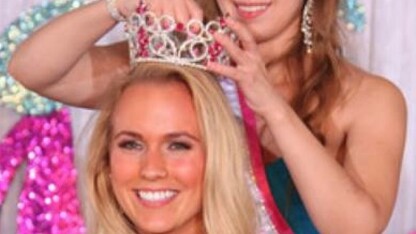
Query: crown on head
x=162 y=39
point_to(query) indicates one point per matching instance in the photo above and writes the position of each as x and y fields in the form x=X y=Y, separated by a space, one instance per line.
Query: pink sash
x=258 y=168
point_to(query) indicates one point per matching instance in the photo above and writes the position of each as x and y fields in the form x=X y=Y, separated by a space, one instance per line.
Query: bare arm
x=60 y=60
x=357 y=196
x=58 y=55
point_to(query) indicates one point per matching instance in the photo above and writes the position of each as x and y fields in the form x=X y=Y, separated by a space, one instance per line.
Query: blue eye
x=180 y=146
x=129 y=145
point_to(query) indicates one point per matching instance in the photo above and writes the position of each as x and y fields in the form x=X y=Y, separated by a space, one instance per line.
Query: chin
x=259 y=34
x=154 y=227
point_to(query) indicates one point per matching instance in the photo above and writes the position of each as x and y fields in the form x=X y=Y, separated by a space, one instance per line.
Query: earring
x=307 y=25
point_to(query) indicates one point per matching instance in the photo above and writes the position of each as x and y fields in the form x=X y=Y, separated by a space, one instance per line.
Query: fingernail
x=228 y=19
x=208 y=65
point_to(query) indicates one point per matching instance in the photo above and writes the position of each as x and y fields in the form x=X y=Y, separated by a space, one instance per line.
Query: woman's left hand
x=249 y=71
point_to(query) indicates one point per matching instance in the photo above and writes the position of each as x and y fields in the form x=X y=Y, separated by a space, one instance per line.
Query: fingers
x=244 y=35
x=223 y=70
x=247 y=59
x=154 y=6
x=181 y=13
x=195 y=10
x=248 y=50
x=126 y=7
x=181 y=10
x=231 y=47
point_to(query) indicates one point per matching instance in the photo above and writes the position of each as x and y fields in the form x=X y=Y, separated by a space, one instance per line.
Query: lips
x=251 y=10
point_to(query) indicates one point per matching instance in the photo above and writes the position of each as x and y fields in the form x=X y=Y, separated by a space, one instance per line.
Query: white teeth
x=156 y=195
x=252 y=8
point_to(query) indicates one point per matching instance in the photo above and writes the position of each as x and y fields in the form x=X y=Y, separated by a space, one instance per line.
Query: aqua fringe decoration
x=12 y=94
x=353 y=14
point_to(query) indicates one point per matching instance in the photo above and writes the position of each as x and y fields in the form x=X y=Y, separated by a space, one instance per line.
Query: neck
x=275 y=49
x=278 y=67
x=274 y=52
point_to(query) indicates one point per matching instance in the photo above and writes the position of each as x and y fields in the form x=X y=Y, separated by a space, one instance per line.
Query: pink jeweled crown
x=162 y=39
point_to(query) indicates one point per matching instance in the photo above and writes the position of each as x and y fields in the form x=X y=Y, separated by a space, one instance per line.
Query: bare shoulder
x=370 y=95
x=375 y=135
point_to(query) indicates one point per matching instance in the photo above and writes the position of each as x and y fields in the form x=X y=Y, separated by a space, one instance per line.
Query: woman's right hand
x=75 y=65
x=181 y=10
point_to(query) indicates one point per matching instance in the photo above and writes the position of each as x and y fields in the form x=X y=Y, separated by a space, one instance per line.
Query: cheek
x=189 y=171
x=122 y=169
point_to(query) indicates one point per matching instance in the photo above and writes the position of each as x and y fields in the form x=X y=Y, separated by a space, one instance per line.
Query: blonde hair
x=228 y=206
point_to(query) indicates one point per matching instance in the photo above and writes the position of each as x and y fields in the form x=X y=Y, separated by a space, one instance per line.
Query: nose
x=153 y=166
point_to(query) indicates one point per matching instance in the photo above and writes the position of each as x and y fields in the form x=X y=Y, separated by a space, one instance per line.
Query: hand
x=181 y=10
x=249 y=72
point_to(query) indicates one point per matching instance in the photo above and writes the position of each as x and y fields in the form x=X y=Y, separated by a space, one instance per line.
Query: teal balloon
x=12 y=94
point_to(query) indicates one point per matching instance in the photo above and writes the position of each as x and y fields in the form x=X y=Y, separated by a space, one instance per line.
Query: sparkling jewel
x=48 y=202
x=162 y=39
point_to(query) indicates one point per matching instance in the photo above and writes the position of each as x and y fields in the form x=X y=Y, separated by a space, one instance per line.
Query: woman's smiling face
x=266 y=19
x=157 y=158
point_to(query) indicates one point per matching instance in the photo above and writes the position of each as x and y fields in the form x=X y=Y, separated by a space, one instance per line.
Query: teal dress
x=287 y=198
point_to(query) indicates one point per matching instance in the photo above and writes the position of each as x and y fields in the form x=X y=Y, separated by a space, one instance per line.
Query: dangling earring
x=307 y=26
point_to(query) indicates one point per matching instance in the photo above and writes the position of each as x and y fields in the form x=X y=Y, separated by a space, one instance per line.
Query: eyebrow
x=168 y=136
x=180 y=134
x=128 y=133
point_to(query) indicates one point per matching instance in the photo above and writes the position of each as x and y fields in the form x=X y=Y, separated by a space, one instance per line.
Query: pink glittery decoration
x=48 y=202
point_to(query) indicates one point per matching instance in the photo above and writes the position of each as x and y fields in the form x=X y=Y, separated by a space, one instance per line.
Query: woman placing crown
x=331 y=134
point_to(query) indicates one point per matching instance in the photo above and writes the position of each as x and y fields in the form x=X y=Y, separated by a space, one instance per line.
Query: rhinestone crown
x=162 y=39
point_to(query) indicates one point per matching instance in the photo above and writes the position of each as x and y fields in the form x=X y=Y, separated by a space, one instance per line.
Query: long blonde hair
x=228 y=206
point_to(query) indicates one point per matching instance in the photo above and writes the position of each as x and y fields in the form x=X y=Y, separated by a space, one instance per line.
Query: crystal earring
x=307 y=25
